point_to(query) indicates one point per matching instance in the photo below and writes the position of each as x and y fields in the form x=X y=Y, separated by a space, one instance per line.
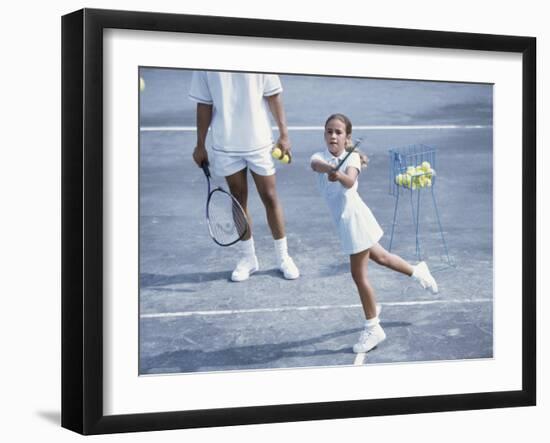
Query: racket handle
x=205 y=169
x=354 y=147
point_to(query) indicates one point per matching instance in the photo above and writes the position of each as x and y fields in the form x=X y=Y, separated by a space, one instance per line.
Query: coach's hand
x=200 y=155
x=284 y=145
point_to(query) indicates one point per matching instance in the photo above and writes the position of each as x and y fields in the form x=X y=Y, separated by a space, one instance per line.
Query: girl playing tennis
x=357 y=228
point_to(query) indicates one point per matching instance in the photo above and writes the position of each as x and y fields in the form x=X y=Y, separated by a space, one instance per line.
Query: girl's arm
x=346 y=179
x=321 y=166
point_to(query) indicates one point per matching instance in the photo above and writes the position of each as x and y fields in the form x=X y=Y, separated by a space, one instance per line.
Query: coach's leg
x=238 y=186
x=248 y=263
x=265 y=184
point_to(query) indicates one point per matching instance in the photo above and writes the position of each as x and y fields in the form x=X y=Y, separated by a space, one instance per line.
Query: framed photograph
x=268 y=221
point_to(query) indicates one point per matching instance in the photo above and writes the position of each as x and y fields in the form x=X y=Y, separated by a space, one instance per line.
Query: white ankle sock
x=369 y=323
x=281 y=249
x=247 y=247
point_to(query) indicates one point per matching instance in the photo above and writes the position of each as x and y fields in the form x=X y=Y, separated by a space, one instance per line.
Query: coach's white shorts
x=260 y=162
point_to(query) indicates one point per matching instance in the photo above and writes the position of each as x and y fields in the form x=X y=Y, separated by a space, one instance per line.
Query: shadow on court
x=250 y=357
x=152 y=281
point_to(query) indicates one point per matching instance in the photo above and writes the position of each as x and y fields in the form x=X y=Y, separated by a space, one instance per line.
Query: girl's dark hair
x=344 y=119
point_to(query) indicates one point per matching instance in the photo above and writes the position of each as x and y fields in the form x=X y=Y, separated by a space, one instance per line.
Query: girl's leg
x=359 y=272
x=420 y=272
x=389 y=260
x=373 y=334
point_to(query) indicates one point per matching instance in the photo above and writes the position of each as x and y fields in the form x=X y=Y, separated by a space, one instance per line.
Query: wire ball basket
x=412 y=168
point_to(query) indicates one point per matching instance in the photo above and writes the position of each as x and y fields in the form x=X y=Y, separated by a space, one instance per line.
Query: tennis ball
x=399 y=179
x=426 y=166
x=276 y=153
x=285 y=159
x=411 y=170
x=428 y=182
x=141 y=84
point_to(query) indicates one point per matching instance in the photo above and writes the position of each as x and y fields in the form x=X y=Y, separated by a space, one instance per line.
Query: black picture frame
x=82 y=218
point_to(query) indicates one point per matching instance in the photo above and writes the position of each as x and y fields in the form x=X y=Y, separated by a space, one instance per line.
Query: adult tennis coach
x=235 y=106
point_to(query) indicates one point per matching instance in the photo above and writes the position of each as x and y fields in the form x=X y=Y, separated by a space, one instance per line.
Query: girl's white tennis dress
x=357 y=228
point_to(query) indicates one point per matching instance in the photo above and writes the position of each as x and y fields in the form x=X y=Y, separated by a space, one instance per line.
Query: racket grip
x=206 y=169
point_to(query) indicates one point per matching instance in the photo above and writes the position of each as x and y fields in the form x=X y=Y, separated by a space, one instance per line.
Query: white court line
x=305 y=308
x=320 y=128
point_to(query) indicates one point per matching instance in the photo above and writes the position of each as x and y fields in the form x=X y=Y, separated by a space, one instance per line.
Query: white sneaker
x=245 y=268
x=369 y=339
x=289 y=269
x=424 y=277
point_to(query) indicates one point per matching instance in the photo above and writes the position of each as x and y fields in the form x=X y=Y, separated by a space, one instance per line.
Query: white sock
x=371 y=322
x=281 y=249
x=247 y=247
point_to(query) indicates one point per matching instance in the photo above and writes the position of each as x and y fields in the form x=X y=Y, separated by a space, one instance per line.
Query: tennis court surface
x=194 y=319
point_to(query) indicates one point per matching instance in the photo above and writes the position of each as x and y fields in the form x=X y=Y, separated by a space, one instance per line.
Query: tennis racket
x=226 y=219
x=350 y=151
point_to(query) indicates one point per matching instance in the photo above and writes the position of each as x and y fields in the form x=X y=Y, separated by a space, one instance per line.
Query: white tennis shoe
x=424 y=277
x=369 y=339
x=245 y=268
x=289 y=269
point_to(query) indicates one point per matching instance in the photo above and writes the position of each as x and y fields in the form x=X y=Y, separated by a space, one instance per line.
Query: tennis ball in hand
x=141 y=84
x=276 y=153
x=285 y=159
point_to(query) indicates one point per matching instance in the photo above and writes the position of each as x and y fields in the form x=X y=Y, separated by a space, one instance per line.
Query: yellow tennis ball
x=141 y=84
x=426 y=166
x=285 y=159
x=276 y=153
x=411 y=170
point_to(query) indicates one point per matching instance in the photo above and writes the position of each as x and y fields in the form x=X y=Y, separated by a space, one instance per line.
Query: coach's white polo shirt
x=240 y=121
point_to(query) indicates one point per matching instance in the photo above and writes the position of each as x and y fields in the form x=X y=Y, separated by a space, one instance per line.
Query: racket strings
x=226 y=219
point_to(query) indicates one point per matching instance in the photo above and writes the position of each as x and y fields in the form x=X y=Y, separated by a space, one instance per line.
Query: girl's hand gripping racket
x=226 y=219
x=350 y=151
